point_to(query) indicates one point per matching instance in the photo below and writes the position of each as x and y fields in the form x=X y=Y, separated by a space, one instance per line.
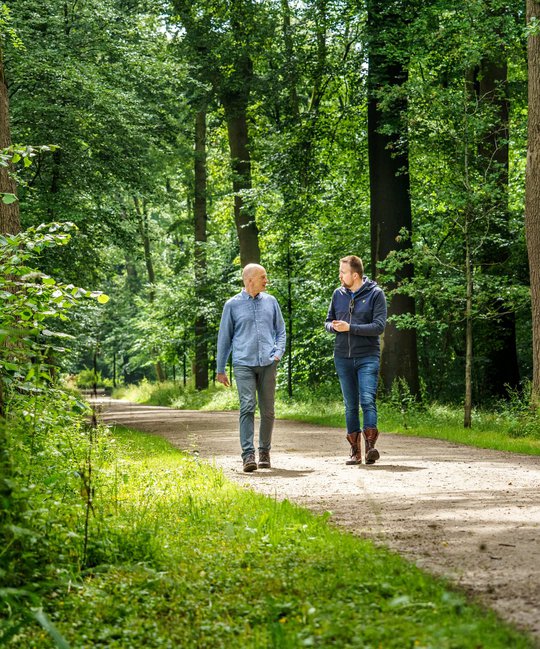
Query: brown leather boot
x=355 y=440
x=372 y=454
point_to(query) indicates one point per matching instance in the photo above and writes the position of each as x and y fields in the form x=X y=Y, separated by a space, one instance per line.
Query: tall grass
x=180 y=557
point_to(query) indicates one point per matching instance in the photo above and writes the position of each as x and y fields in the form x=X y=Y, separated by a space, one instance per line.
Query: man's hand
x=340 y=325
x=222 y=378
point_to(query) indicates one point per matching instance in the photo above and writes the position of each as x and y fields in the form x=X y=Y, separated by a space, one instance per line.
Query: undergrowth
x=179 y=557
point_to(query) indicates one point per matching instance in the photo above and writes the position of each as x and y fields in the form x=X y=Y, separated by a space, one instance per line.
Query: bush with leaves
x=35 y=412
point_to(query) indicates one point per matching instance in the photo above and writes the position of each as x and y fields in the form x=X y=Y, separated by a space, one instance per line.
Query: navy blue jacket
x=366 y=314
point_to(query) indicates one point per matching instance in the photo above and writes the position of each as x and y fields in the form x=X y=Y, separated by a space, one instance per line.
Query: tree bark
x=244 y=213
x=200 y=221
x=10 y=222
x=143 y=230
x=467 y=415
x=235 y=92
x=532 y=192
x=390 y=193
x=502 y=367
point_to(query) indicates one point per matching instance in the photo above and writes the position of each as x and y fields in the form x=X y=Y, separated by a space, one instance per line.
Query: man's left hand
x=340 y=325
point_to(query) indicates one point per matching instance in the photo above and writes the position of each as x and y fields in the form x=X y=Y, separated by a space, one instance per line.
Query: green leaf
x=57 y=637
x=9 y=366
x=7 y=199
x=58 y=334
x=103 y=299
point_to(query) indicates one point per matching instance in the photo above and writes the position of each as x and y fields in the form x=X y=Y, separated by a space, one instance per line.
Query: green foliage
x=185 y=558
x=87 y=379
x=523 y=419
x=31 y=301
x=176 y=396
x=44 y=442
x=56 y=457
x=402 y=401
x=122 y=113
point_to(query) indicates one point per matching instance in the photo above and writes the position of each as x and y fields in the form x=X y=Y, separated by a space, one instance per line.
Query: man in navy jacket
x=357 y=315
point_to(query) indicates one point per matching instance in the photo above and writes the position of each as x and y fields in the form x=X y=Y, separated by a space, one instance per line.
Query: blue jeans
x=252 y=382
x=358 y=378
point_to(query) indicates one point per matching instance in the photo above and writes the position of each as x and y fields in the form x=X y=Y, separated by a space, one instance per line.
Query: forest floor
x=469 y=515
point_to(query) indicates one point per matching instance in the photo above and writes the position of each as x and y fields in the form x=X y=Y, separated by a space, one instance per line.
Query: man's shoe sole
x=251 y=466
x=372 y=456
x=264 y=465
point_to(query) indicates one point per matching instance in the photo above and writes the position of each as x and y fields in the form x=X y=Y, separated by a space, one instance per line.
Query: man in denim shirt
x=252 y=327
x=357 y=315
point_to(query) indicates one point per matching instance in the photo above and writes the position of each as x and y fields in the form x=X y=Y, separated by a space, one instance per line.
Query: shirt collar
x=247 y=296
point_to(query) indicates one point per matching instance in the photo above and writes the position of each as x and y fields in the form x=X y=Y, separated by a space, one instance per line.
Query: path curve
x=470 y=515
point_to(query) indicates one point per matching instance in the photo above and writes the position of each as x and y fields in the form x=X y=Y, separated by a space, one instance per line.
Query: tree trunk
x=290 y=321
x=502 y=368
x=200 y=219
x=244 y=212
x=142 y=213
x=235 y=94
x=389 y=192
x=143 y=230
x=55 y=184
x=532 y=192
x=10 y=222
x=467 y=418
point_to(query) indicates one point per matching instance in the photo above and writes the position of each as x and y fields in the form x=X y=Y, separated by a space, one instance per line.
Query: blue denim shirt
x=253 y=328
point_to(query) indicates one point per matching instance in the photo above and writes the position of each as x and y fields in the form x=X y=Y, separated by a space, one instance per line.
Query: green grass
x=180 y=557
x=509 y=427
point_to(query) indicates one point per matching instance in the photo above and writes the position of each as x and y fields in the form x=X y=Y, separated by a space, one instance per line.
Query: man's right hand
x=222 y=378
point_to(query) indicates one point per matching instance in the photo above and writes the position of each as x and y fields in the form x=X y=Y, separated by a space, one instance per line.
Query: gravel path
x=468 y=514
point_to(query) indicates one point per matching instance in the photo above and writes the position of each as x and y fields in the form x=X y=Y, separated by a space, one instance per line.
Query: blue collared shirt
x=253 y=329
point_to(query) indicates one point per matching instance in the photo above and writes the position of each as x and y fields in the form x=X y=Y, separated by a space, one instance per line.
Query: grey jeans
x=252 y=382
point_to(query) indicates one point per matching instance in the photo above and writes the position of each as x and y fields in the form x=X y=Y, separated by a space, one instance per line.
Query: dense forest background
x=149 y=149
x=185 y=139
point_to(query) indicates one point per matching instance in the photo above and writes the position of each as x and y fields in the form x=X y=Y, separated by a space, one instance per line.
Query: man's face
x=346 y=275
x=258 y=281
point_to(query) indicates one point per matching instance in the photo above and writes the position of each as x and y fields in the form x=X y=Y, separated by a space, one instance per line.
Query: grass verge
x=508 y=427
x=180 y=557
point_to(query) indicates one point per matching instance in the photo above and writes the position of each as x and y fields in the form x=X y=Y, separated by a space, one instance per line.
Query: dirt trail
x=470 y=515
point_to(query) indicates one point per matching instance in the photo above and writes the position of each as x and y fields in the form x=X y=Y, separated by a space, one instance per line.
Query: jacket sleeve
x=330 y=316
x=225 y=337
x=377 y=325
